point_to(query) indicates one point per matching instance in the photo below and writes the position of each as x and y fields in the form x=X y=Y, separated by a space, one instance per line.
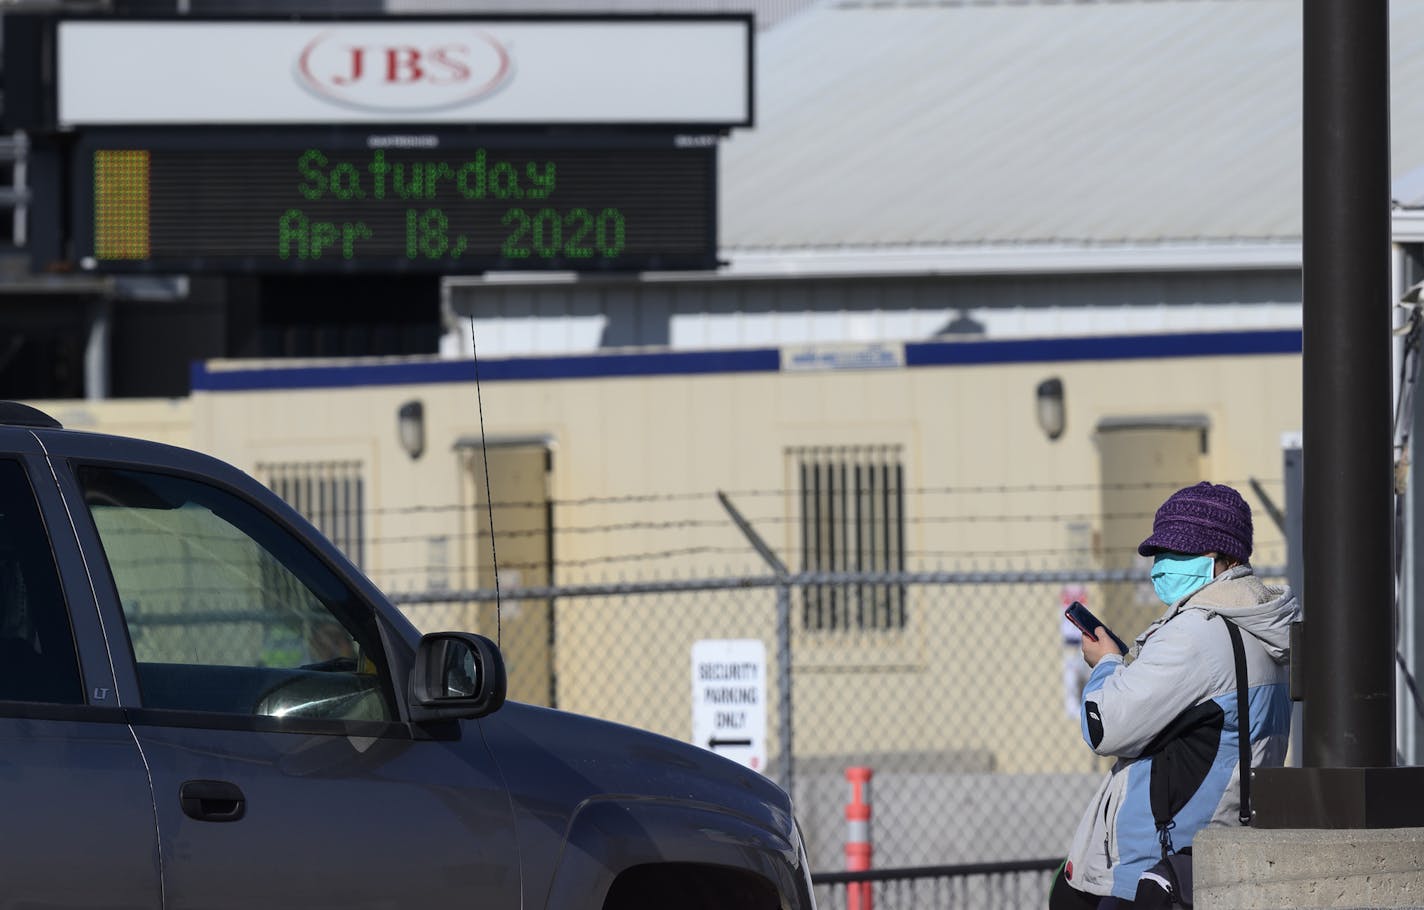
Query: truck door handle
x=212 y=800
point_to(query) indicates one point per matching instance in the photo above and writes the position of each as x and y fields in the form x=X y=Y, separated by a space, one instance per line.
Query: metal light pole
x=1344 y=655
x=1349 y=566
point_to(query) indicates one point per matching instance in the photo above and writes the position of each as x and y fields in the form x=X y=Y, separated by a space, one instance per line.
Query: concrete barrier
x=1254 y=869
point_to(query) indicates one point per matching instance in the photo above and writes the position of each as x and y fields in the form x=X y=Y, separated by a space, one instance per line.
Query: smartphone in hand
x=1086 y=622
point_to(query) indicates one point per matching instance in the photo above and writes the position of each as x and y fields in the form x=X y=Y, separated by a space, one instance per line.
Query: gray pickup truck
x=204 y=705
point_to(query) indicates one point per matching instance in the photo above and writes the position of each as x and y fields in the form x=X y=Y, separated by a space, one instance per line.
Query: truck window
x=37 y=657
x=227 y=611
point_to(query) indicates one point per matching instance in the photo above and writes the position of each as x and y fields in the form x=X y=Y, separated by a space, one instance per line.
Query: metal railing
x=984 y=886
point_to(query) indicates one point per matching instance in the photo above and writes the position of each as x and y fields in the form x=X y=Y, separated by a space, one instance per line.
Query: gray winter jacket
x=1182 y=661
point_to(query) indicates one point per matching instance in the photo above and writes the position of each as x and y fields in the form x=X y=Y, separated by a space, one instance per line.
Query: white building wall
x=581 y=317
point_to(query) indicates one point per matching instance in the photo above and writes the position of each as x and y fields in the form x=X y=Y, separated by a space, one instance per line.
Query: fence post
x=858 y=848
x=783 y=674
x=783 y=637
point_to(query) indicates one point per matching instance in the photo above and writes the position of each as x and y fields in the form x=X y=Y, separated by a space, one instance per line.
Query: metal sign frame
x=622 y=62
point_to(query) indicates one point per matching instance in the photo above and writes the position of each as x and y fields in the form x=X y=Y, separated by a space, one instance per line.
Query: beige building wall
x=165 y=420
x=991 y=492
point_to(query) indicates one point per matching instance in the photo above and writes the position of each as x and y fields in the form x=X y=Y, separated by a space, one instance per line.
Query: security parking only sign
x=729 y=699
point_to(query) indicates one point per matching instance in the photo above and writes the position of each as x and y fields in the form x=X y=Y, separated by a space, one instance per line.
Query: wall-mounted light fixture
x=410 y=424
x=1052 y=415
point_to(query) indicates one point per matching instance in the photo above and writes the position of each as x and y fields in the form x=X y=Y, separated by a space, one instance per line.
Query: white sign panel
x=654 y=71
x=870 y=356
x=729 y=699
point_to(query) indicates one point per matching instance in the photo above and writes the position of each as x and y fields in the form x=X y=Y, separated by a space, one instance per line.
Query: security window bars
x=852 y=520
x=329 y=494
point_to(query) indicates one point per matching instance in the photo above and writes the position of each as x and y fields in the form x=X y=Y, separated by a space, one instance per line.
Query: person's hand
x=1094 y=651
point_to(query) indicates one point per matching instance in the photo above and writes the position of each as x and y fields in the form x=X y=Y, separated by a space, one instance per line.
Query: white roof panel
x=766 y=12
x=1028 y=122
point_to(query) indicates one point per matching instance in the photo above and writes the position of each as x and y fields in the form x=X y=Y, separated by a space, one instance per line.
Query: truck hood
x=565 y=759
x=559 y=766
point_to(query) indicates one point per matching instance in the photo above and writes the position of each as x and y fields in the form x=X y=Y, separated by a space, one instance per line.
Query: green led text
x=298 y=237
x=475 y=204
x=575 y=234
x=478 y=177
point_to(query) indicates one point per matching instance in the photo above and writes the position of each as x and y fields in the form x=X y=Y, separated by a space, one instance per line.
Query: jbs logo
x=409 y=69
x=442 y=65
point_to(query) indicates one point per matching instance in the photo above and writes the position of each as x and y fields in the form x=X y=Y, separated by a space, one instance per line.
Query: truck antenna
x=489 y=499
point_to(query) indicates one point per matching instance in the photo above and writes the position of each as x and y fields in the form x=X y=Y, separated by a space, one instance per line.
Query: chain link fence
x=957 y=690
x=912 y=632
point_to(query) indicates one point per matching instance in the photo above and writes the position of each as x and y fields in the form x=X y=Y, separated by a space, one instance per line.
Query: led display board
x=166 y=201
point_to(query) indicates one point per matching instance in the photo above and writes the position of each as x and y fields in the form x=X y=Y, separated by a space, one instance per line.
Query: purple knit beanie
x=1206 y=518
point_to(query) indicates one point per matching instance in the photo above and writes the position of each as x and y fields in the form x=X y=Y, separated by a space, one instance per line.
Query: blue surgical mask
x=1175 y=576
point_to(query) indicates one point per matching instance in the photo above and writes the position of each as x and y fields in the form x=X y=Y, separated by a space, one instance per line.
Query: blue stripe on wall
x=203 y=379
x=1109 y=347
x=750 y=360
x=757 y=360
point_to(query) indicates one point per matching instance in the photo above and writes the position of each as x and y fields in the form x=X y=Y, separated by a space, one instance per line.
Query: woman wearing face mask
x=1184 y=670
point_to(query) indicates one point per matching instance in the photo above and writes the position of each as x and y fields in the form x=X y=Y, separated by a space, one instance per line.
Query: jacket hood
x=1261 y=610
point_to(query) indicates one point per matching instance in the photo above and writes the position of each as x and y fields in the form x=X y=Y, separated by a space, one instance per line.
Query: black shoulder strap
x=1243 y=719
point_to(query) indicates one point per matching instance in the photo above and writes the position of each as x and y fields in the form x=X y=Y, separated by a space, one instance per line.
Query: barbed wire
x=582 y=529
x=840 y=522
x=919 y=507
x=795 y=554
x=797 y=557
x=711 y=496
x=575 y=563
x=725 y=582
x=802 y=555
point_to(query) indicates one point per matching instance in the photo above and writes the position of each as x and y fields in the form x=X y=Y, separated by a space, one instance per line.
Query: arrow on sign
x=714 y=743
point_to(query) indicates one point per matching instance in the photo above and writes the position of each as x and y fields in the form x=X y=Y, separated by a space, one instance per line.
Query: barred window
x=852 y=521
x=329 y=494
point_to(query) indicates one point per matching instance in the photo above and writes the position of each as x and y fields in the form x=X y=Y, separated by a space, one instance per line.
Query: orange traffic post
x=857 y=848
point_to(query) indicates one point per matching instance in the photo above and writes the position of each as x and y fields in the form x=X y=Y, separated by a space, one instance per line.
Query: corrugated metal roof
x=766 y=12
x=1034 y=122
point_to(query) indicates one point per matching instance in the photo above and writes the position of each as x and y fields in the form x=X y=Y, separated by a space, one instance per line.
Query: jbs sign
x=666 y=70
x=344 y=66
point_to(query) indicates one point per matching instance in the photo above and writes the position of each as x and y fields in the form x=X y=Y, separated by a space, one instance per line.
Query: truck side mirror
x=456 y=674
